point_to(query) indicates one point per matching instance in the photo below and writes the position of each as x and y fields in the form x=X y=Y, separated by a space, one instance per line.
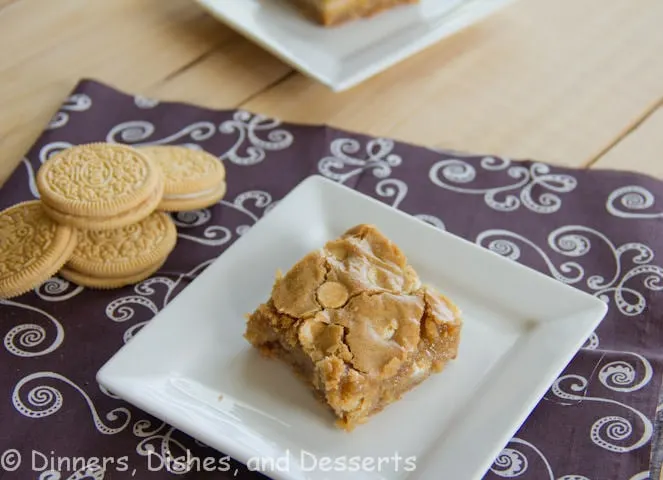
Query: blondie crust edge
x=332 y=13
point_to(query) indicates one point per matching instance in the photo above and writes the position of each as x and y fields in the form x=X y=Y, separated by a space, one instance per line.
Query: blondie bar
x=354 y=320
x=334 y=12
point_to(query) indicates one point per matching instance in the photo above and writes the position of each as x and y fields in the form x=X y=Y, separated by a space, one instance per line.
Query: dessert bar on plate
x=191 y=366
x=346 y=55
x=334 y=12
x=354 y=320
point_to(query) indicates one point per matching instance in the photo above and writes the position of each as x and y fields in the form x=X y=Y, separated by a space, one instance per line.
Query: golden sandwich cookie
x=99 y=186
x=193 y=178
x=123 y=256
x=107 y=283
x=32 y=248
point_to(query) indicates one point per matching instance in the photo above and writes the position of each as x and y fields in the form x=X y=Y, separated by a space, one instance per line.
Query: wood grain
x=641 y=150
x=570 y=82
x=132 y=44
x=224 y=78
x=555 y=81
x=6 y=3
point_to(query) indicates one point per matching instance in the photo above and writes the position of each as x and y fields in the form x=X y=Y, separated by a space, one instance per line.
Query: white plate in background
x=344 y=56
x=191 y=367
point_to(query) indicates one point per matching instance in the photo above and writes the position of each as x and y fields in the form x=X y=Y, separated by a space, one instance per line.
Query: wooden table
x=571 y=82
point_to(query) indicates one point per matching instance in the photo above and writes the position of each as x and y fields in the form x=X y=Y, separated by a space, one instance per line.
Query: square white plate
x=191 y=367
x=346 y=55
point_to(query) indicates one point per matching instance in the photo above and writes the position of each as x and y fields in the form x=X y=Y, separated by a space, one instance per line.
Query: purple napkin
x=600 y=231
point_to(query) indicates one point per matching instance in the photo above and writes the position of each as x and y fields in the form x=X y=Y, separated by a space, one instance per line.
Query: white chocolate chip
x=332 y=295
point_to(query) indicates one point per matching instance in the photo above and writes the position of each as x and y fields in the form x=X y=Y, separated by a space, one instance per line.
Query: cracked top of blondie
x=359 y=309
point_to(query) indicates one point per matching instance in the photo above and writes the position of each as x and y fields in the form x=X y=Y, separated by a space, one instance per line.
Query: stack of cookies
x=100 y=222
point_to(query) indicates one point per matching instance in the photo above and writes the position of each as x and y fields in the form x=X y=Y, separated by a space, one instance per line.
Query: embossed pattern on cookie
x=193 y=178
x=97 y=179
x=32 y=247
x=101 y=222
x=124 y=251
x=186 y=170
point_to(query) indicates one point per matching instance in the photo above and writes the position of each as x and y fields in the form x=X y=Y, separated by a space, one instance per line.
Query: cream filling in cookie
x=186 y=196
